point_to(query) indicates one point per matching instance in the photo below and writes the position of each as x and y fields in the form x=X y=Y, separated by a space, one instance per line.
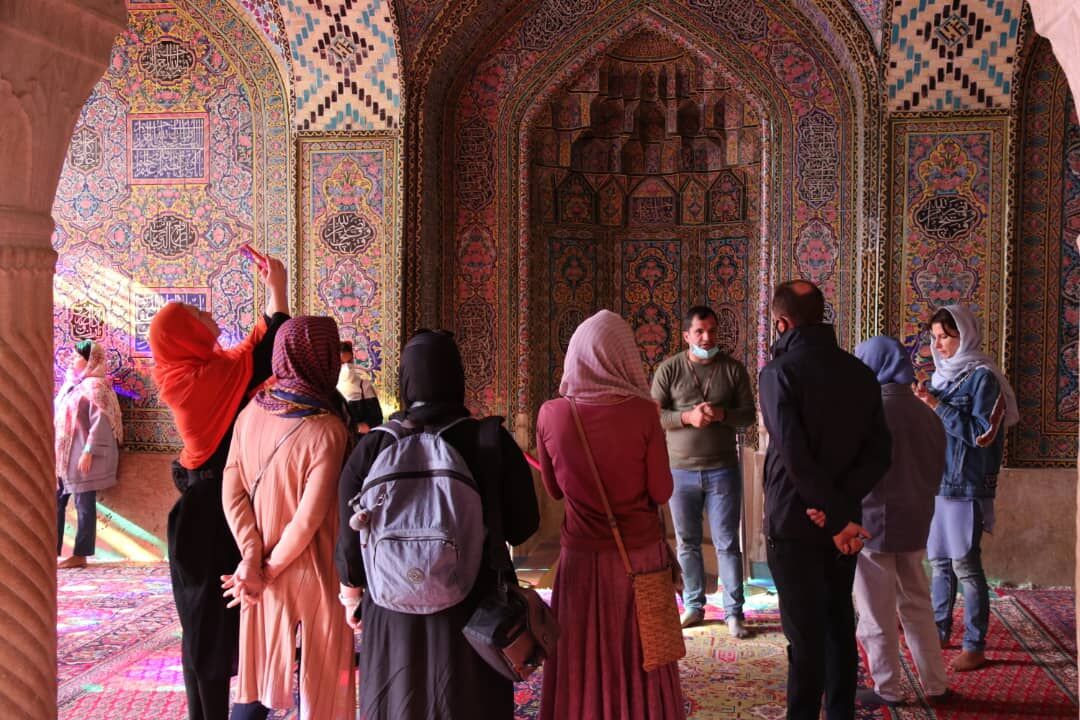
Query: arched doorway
x=646 y=191
x=572 y=144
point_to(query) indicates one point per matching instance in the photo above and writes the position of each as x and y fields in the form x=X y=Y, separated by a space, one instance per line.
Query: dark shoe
x=736 y=628
x=68 y=563
x=969 y=660
x=868 y=698
x=943 y=699
x=944 y=638
x=691 y=617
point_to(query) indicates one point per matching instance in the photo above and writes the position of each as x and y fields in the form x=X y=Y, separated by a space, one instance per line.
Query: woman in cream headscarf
x=88 y=434
x=975 y=402
x=597 y=672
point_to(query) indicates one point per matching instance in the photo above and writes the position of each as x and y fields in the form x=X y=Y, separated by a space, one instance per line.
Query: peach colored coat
x=290 y=534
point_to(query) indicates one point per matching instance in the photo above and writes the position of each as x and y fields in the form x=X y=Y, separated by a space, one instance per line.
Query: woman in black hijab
x=415 y=667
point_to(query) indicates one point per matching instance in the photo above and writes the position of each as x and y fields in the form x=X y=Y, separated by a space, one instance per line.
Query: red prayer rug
x=119 y=658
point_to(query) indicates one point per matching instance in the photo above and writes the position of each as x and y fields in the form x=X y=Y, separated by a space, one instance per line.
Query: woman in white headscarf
x=975 y=402
x=597 y=672
x=88 y=434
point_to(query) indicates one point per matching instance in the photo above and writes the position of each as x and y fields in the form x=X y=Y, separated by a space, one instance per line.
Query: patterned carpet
x=119 y=658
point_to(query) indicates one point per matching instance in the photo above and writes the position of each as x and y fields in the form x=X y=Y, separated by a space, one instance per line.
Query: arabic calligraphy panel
x=149 y=300
x=167 y=60
x=169 y=235
x=167 y=148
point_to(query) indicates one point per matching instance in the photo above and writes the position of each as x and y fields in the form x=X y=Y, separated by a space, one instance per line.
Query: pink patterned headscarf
x=93 y=384
x=603 y=363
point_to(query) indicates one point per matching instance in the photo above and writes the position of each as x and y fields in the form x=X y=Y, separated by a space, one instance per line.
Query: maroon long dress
x=597 y=673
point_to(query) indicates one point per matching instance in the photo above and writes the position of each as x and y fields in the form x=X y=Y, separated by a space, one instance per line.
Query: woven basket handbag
x=654 y=591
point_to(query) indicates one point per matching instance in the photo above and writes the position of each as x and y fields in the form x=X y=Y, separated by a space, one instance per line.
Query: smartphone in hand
x=253 y=255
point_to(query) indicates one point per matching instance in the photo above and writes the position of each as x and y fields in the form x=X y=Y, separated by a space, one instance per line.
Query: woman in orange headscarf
x=206 y=387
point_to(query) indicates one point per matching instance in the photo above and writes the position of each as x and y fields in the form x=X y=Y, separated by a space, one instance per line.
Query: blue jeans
x=968 y=572
x=718 y=492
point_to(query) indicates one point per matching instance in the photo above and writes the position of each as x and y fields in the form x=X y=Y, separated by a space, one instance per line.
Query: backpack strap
x=489 y=449
x=452 y=423
x=393 y=428
x=281 y=440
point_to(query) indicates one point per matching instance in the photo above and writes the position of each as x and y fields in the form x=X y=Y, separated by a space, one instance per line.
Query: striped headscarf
x=603 y=363
x=305 y=365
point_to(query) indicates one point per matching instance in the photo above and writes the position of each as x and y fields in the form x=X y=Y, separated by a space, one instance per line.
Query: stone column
x=52 y=52
x=1059 y=22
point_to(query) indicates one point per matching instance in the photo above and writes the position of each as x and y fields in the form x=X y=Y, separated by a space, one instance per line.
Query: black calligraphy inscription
x=167 y=60
x=947 y=217
x=169 y=235
x=476 y=186
x=348 y=233
x=87 y=319
x=817 y=157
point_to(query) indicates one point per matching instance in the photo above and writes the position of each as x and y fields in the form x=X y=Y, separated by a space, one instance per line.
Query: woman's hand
x=350 y=598
x=925 y=395
x=86 y=461
x=244 y=586
x=816 y=516
x=277 y=284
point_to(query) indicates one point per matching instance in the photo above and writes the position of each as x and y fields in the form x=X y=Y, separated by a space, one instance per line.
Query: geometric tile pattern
x=952 y=54
x=872 y=13
x=1048 y=268
x=266 y=15
x=350 y=219
x=345 y=62
x=949 y=185
x=178 y=156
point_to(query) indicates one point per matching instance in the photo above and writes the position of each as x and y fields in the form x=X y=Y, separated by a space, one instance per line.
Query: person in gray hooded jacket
x=88 y=430
x=889 y=577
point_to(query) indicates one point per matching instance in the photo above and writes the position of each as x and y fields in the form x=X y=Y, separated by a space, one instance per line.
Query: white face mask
x=702 y=353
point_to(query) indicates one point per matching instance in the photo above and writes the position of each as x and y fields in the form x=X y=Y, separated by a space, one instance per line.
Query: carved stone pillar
x=1059 y=22
x=52 y=52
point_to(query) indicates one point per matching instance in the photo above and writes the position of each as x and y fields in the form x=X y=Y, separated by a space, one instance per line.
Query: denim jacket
x=972 y=409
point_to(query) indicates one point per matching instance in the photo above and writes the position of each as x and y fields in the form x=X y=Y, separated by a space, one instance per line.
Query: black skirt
x=420 y=667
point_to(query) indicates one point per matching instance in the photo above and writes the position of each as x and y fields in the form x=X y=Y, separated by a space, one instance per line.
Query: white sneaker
x=691 y=617
x=736 y=628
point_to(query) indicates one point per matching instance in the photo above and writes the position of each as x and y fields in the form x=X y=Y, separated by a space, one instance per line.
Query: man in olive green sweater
x=704 y=397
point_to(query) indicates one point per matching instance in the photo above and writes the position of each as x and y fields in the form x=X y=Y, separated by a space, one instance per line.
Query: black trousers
x=249 y=711
x=814 y=583
x=86 y=530
x=201 y=550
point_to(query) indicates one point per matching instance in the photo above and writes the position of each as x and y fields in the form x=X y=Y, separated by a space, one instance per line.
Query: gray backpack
x=420 y=518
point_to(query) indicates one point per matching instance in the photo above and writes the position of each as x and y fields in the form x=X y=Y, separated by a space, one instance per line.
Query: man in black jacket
x=828 y=446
